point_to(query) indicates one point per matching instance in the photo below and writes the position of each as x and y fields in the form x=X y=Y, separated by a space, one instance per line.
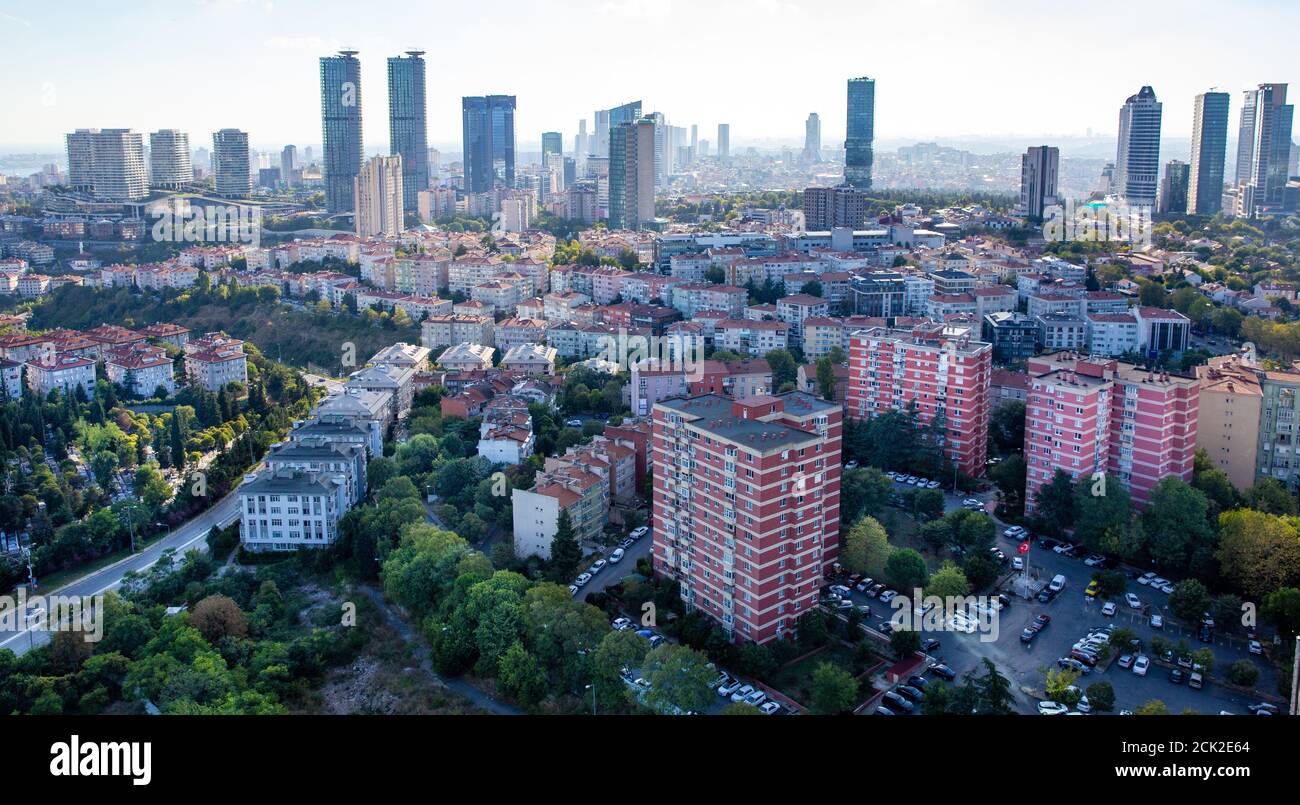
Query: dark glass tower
x=488 y=128
x=407 y=125
x=1209 y=149
x=861 y=132
x=340 y=108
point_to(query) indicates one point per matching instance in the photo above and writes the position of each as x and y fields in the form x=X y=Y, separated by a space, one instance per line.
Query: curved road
x=189 y=535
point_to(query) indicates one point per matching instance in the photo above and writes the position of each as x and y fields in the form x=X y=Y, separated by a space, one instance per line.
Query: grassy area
x=795 y=679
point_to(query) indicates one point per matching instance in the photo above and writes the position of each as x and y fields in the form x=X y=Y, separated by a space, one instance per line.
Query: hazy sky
x=942 y=67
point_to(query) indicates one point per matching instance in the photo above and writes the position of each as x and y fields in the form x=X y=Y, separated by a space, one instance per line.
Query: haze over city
x=992 y=70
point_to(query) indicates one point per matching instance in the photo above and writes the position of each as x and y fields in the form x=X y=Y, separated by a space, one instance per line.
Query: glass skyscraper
x=488 y=129
x=1137 y=159
x=1209 y=149
x=858 y=154
x=407 y=127
x=340 y=108
x=1264 y=144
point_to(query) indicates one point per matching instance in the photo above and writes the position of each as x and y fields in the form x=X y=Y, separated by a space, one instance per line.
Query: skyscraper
x=230 y=163
x=288 y=164
x=488 y=131
x=169 y=159
x=1137 y=160
x=407 y=126
x=340 y=105
x=1038 y=171
x=552 y=143
x=1174 y=187
x=858 y=155
x=632 y=174
x=724 y=142
x=1209 y=149
x=580 y=144
x=812 y=139
x=379 y=193
x=108 y=163
x=827 y=208
x=1264 y=144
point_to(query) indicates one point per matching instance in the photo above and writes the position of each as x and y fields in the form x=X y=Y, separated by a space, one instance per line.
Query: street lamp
x=592 y=688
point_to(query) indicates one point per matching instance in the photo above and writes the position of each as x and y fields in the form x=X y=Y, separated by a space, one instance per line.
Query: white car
x=1141 y=664
x=1052 y=709
x=1083 y=705
x=582 y=579
x=1017 y=564
x=1014 y=531
x=1167 y=588
x=1108 y=608
x=573 y=589
x=888 y=595
x=756 y=698
x=596 y=566
x=1132 y=600
x=729 y=687
x=745 y=692
x=1094 y=560
x=770 y=708
x=638 y=533
x=1159 y=582
x=932 y=485
x=852 y=465
x=621 y=624
x=1256 y=647
x=1146 y=578
x=1157 y=622
x=616 y=556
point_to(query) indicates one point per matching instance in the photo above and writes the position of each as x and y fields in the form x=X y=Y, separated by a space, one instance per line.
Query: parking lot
x=1073 y=614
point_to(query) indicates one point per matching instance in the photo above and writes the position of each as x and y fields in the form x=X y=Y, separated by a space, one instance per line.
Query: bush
x=1244 y=673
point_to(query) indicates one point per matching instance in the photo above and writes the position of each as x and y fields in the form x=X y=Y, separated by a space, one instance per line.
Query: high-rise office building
x=1209 y=149
x=724 y=142
x=340 y=105
x=488 y=132
x=599 y=146
x=695 y=140
x=746 y=506
x=1137 y=160
x=580 y=144
x=107 y=163
x=379 y=193
x=1174 y=187
x=1038 y=171
x=812 y=139
x=552 y=143
x=169 y=159
x=288 y=164
x=632 y=174
x=861 y=132
x=407 y=123
x=230 y=167
x=1264 y=145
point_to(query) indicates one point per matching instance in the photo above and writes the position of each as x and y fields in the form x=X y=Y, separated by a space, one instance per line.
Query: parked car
x=929 y=645
x=1141 y=664
x=864 y=585
x=1157 y=622
x=1052 y=709
x=1108 y=608
x=1145 y=578
x=932 y=485
x=1176 y=676
x=640 y=531
x=1167 y=587
x=1073 y=664
x=622 y=624
x=770 y=708
x=918 y=682
x=627 y=543
x=1028 y=635
x=885 y=627
x=573 y=589
x=616 y=556
x=882 y=710
x=1256 y=647
x=888 y=595
x=1126 y=661
x=1015 y=532
x=851 y=465
x=582 y=579
x=740 y=695
x=939 y=669
x=1133 y=601
x=1092 y=589
x=973 y=503
x=912 y=693
x=840 y=590
x=596 y=566
x=756 y=698
x=1017 y=563
x=898 y=702
x=1095 y=560
x=573 y=423
x=728 y=688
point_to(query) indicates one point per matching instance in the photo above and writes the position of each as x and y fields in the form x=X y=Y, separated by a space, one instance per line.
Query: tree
x=1243 y=673
x=948 y=580
x=927 y=502
x=1101 y=695
x=1189 y=601
x=1175 y=523
x=784 y=368
x=1271 y=496
x=834 y=690
x=866 y=548
x=565 y=553
x=1056 y=681
x=904 y=642
x=981 y=570
x=1153 y=707
x=825 y=378
x=679 y=678
x=1259 y=552
x=521 y=675
x=1095 y=515
x=1282 y=609
x=1054 y=504
x=617 y=650
x=1007 y=425
x=865 y=491
x=993 y=689
x=905 y=569
x=218 y=616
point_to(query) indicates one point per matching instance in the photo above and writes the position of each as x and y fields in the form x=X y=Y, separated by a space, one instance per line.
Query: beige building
x=378 y=190
x=1228 y=420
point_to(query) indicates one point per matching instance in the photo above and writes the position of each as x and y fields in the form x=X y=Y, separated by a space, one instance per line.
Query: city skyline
x=284 y=41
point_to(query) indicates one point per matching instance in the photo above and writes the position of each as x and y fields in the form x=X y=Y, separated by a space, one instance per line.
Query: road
x=187 y=536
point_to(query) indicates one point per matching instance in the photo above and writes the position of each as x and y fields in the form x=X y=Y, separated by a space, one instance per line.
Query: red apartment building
x=1097 y=415
x=747 y=505
x=940 y=372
